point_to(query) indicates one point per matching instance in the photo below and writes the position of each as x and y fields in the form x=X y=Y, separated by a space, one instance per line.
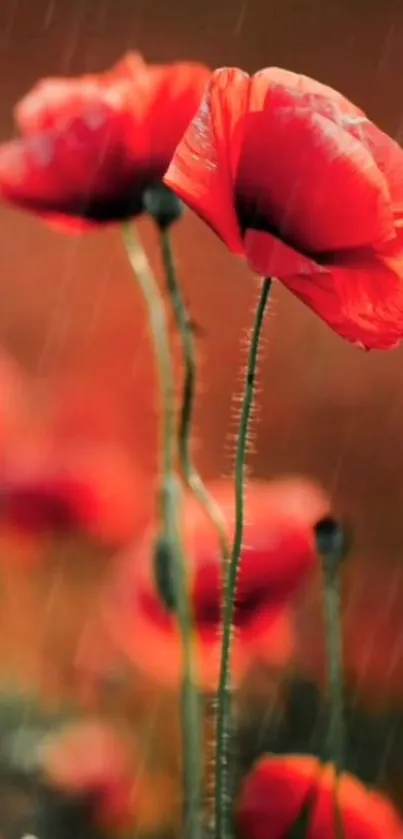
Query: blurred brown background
x=69 y=312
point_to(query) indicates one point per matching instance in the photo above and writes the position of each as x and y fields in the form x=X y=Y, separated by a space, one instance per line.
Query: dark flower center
x=248 y=605
x=32 y=509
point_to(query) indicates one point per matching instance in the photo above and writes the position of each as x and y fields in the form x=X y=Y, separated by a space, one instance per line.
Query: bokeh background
x=70 y=315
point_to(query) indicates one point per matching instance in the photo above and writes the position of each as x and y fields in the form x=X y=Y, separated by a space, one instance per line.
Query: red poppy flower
x=279 y=551
x=277 y=791
x=92 y=489
x=63 y=514
x=297 y=179
x=91 y=146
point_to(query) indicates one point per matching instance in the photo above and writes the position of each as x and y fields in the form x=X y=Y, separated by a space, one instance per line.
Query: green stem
x=190 y=472
x=169 y=512
x=336 y=736
x=224 y=691
x=157 y=321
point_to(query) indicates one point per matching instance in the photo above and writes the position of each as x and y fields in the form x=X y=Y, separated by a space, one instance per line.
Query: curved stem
x=224 y=695
x=192 y=476
x=157 y=321
x=190 y=472
x=169 y=514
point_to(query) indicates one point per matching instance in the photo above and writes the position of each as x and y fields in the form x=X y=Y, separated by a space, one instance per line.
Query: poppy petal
x=269 y=256
x=310 y=179
x=279 y=553
x=177 y=88
x=311 y=88
x=286 y=181
x=364 y=814
x=91 y=146
x=50 y=100
x=46 y=172
x=278 y=789
x=386 y=153
x=202 y=170
x=361 y=297
x=274 y=794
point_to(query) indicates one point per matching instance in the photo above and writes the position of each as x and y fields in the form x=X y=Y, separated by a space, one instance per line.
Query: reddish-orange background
x=70 y=314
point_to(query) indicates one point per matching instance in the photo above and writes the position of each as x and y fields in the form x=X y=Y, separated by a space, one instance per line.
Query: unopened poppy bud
x=332 y=539
x=163 y=205
x=165 y=558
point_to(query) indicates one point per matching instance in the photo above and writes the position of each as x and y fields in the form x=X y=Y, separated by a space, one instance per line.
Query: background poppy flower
x=74 y=486
x=296 y=178
x=96 y=760
x=90 y=146
x=279 y=552
x=279 y=789
x=63 y=514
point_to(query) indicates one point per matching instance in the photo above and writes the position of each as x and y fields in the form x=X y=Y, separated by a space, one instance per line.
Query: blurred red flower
x=297 y=179
x=279 y=552
x=106 y=762
x=89 y=758
x=277 y=791
x=86 y=488
x=90 y=146
x=63 y=514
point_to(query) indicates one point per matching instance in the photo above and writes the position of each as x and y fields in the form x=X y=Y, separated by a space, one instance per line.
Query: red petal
x=279 y=547
x=50 y=100
x=270 y=257
x=280 y=552
x=92 y=145
x=361 y=297
x=94 y=488
x=304 y=176
x=310 y=88
x=274 y=794
x=204 y=164
x=85 y=163
x=388 y=156
x=364 y=814
x=176 y=91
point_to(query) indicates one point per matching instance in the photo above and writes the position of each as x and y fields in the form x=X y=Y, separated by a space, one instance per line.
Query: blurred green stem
x=223 y=819
x=190 y=472
x=336 y=736
x=169 y=514
x=191 y=475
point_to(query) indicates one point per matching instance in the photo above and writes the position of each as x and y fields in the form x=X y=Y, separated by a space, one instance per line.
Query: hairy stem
x=190 y=472
x=224 y=691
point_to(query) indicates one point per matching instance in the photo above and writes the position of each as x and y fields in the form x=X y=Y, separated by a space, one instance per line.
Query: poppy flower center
x=37 y=508
x=249 y=603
